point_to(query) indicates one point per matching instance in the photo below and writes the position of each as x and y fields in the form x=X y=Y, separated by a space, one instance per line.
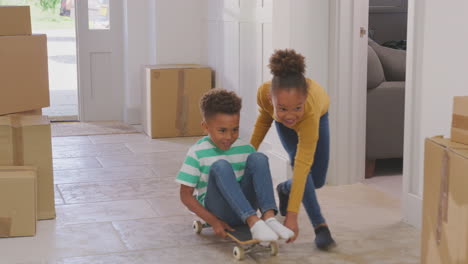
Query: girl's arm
x=263 y=123
x=308 y=137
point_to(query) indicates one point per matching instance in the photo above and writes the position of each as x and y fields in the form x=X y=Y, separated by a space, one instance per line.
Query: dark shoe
x=323 y=238
x=283 y=199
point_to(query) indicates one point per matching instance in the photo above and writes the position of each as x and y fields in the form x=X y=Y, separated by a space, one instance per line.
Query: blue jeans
x=232 y=201
x=318 y=171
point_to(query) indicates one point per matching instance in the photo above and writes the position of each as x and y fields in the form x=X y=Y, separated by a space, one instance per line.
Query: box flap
x=447 y=143
x=18 y=120
x=461 y=152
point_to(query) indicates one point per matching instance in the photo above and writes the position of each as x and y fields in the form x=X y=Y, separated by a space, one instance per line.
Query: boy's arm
x=186 y=196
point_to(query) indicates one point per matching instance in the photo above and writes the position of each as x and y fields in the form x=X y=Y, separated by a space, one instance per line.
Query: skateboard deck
x=242 y=235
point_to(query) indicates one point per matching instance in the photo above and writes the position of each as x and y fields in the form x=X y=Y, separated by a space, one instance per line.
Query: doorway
x=386 y=71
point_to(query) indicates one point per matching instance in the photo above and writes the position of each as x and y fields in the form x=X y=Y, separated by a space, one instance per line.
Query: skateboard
x=242 y=236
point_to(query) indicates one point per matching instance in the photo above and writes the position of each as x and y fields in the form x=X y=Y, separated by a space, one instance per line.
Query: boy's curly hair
x=220 y=101
x=288 y=68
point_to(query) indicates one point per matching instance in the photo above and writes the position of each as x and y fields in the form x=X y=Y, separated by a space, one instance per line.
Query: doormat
x=65 y=129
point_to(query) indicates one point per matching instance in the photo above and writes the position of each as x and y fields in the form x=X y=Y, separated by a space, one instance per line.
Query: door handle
x=362 y=32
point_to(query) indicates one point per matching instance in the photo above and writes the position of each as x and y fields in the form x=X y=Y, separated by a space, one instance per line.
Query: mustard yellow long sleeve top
x=307 y=130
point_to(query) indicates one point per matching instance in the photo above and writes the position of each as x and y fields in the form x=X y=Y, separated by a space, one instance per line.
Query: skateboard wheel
x=238 y=253
x=274 y=248
x=197 y=227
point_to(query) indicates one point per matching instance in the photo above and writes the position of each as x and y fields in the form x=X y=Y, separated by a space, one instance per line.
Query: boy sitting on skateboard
x=231 y=180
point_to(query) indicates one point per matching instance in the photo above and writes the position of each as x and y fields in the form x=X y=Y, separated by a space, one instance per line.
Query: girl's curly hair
x=288 y=68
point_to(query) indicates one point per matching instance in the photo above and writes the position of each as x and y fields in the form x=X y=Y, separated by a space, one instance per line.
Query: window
x=98 y=14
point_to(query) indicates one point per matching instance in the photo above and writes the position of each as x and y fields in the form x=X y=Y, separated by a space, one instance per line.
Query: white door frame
x=413 y=161
x=349 y=105
x=100 y=63
x=347 y=92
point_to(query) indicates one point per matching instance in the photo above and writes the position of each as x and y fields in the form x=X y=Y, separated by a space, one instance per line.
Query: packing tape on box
x=460 y=121
x=182 y=106
x=442 y=214
x=5 y=226
x=17 y=140
x=14 y=121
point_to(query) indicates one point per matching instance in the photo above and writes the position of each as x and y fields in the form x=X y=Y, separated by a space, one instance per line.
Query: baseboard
x=412 y=210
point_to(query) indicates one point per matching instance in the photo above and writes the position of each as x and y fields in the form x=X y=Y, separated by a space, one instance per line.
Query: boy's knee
x=220 y=165
x=257 y=157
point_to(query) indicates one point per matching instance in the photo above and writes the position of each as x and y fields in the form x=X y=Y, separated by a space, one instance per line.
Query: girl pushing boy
x=232 y=181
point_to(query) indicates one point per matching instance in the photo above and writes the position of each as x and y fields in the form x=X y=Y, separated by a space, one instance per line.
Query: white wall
x=178 y=29
x=158 y=32
x=302 y=25
x=438 y=55
x=236 y=38
x=309 y=35
x=139 y=49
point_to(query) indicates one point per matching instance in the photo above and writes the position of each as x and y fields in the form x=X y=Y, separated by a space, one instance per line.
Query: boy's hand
x=220 y=228
x=291 y=223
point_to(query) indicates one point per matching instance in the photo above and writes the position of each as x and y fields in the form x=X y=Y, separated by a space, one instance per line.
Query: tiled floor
x=117 y=203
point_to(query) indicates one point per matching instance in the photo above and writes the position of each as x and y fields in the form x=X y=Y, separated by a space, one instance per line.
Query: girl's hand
x=220 y=228
x=291 y=223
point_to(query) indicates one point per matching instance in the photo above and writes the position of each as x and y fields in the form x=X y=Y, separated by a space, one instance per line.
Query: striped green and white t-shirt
x=202 y=155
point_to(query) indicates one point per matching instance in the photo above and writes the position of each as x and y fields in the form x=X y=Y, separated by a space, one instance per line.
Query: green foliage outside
x=45 y=14
x=49 y=4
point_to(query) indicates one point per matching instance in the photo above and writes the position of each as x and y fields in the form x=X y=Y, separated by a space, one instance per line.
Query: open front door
x=99 y=27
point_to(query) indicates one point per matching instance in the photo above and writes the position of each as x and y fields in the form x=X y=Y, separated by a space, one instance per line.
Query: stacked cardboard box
x=25 y=140
x=23 y=63
x=445 y=203
x=26 y=174
x=171 y=100
x=15 y=20
x=18 y=202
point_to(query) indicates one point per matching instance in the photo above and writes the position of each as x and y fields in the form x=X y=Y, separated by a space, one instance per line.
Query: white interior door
x=99 y=27
x=359 y=85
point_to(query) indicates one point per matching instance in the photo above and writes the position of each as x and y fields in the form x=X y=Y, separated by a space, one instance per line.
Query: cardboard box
x=7 y=142
x=17 y=201
x=459 y=132
x=26 y=140
x=24 y=77
x=15 y=20
x=445 y=203
x=30 y=112
x=171 y=100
